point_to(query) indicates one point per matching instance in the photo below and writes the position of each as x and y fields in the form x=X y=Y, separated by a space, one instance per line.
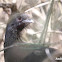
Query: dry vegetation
x=47 y=26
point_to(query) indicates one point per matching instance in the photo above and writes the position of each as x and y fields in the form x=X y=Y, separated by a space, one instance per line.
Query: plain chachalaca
x=12 y=36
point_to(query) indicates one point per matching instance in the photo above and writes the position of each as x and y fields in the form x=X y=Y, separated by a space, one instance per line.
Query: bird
x=17 y=24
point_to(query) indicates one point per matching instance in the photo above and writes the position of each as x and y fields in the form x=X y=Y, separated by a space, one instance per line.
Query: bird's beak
x=28 y=21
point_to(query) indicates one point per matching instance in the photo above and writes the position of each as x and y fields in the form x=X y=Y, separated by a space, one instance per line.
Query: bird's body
x=12 y=36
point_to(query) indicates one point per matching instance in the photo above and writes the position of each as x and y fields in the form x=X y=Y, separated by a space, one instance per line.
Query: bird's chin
x=21 y=27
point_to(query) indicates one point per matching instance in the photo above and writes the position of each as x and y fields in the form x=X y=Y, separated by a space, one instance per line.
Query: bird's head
x=19 y=22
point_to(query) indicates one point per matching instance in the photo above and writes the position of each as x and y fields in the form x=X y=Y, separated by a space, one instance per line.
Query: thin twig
x=42 y=4
x=44 y=32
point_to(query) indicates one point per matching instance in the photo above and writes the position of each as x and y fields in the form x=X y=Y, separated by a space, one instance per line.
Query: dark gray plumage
x=12 y=36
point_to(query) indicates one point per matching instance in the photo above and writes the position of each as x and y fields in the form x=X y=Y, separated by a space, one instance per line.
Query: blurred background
x=47 y=26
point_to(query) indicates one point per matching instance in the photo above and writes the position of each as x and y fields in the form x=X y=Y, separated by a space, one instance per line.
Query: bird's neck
x=11 y=37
